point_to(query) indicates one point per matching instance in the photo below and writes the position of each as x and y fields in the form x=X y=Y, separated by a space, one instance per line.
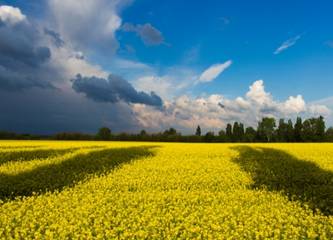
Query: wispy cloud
x=287 y=44
x=148 y=33
x=214 y=71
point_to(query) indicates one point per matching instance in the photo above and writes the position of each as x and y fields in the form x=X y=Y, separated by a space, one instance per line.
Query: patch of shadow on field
x=300 y=180
x=27 y=155
x=69 y=172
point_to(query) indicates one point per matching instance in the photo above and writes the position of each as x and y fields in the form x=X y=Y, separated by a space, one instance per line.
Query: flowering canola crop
x=118 y=190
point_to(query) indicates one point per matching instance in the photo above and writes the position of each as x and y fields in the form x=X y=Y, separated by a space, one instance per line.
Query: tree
x=298 y=130
x=309 y=130
x=170 y=131
x=236 y=132
x=241 y=132
x=320 y=129
x=222 y=136
x=143 y=133
x=229 y=132
x=290 y=131
x=282 y=131
x=198 y=131
x=209 y=137
x=314 y=130
x=266 y=129
x=104 y=133
x=329 y=135
x=250 y=134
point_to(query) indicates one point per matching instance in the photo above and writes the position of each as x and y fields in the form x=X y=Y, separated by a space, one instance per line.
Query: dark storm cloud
x=149 y=34
x=113 y=89
x=43 y=111
x=56 y=38
x=22 y=57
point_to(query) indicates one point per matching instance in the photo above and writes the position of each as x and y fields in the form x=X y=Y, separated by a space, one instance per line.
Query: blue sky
x=248 y=32
x=257 y=58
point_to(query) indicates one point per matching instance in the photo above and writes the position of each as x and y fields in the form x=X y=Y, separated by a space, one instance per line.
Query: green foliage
x=104 y=133
x=329 y=135
x=266 y=129
x=311 y=130
x=198 y=131
x=250 y=134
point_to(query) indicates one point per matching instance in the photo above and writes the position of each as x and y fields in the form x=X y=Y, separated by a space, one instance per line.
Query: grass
x=115 y=190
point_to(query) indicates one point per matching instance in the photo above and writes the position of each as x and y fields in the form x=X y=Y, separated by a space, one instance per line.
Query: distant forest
x=268 y=130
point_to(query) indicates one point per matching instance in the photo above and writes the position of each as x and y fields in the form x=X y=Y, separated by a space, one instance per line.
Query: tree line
x=267 y=130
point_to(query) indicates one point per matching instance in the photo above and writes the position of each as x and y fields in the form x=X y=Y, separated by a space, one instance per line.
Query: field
x=115 y=190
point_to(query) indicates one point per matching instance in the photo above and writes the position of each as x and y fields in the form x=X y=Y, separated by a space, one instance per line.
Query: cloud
x=295 y=104
x=38 y=60
x=88 y=24
x=24 y=55
x=44 y=111
x=215 y=111
x=113 y=89
x=55 y=37
x=258 y=94
x=148 y=34
x=287 y=44
x=172 y=83
x=11 y=15
x=214 y=71
x=326 y=107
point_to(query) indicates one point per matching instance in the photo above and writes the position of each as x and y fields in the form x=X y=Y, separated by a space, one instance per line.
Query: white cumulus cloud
x=215 y=111
x=11 y=15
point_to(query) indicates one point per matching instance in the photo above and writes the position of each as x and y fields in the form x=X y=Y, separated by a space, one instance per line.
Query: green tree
x=228 y=132
x=290 y=131
x=104 y=133
x=143 y=132
x=198 y=131
x=266 y=129
x=209 y=137
x=250 y=134
x=309 y=130
x=320 y=129
x=282 y=131
x=170 y=131
x=329 y=135
x=298 y=130
x=314 y=130
x=222 y=136
x=236 y=132
x=241 y=132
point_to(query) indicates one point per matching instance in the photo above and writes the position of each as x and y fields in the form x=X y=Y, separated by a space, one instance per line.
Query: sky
x=146 y=64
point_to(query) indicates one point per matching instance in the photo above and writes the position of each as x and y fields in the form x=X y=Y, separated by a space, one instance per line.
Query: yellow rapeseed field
x=117 y=190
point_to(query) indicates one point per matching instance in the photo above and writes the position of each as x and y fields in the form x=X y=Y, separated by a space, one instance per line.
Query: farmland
x=131 y=190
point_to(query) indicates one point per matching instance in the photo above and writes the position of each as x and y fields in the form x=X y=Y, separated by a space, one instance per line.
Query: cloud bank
x=215 y=111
